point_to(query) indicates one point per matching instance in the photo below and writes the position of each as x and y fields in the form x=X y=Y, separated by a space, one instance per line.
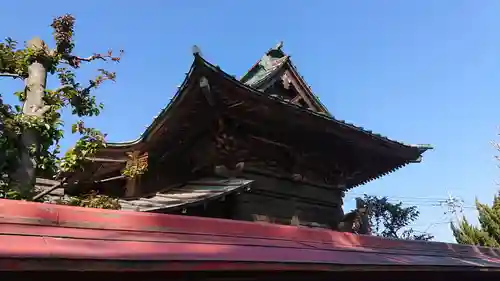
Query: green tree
x=30 y=131
x=487 y=233
x=392 y=220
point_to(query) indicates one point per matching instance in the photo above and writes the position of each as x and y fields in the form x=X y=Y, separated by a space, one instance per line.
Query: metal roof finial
x=279 y=46
x=196 y=50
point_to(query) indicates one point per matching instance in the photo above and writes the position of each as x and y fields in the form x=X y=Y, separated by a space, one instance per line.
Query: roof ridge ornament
x=276 y=47
x=196 y=50
x=279 y=45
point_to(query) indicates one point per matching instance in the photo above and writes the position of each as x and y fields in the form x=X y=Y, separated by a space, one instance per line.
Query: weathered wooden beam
x=105 y=160
x=207 y=92
x=289 y=177
x=270 y=141
x=294 y=141
x=296 y=99
x=110 y=179
x=303 y=90
x=49 y=190
x=46 y=181
x=265 y=151
x=296 y=158
x=236 y=104
x=310 y=121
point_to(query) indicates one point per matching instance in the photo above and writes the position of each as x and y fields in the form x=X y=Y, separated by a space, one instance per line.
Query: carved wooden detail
x=233 y=145
x=136 y=166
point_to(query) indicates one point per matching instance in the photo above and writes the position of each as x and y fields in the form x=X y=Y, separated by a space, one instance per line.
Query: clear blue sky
x=416 y=71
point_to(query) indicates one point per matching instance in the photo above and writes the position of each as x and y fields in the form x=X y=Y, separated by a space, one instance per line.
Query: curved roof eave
x=342 y=123
x=159 y=117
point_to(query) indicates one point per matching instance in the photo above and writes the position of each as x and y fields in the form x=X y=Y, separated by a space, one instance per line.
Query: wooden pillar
x=136 y=166
x=131 y=187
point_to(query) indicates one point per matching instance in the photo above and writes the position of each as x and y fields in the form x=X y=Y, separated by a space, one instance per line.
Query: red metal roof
x=45 y=236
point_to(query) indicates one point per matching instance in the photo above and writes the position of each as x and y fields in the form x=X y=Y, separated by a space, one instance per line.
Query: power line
x=451 y=203
x=454 y=206
x=391 y=197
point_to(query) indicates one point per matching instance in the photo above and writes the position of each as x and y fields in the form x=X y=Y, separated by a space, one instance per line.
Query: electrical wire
x=453 y=207
x=422 y=201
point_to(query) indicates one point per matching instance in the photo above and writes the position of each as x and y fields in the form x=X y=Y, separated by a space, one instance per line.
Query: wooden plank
x=48 y=187
x=295 y=189
x=220 y=182
x=106 y=160
x=264 y=202
x=361 y=139
x=43 y=181
x=250 y=205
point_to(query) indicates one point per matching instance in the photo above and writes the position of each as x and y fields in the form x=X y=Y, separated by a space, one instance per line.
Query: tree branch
x=75 y=61
x=5 y=74
x=89 y=58
x=71 y=87
x=64 y=87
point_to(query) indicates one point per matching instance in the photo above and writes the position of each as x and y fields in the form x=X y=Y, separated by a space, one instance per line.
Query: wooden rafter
x=105 y=160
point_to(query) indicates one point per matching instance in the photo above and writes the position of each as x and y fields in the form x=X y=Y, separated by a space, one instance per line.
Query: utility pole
x=454 y=206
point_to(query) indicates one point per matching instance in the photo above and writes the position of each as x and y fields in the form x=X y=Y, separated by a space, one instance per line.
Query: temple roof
x=273 y=64
x=248 y=88
x=251 y=85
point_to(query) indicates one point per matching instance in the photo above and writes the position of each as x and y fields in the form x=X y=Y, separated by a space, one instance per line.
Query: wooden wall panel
x=279 y=201
x=291 y=189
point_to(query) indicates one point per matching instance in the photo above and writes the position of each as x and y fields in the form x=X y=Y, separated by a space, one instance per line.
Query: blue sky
x=416 y=71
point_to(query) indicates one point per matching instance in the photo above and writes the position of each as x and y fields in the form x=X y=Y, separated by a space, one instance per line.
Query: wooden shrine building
x=262 y=148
